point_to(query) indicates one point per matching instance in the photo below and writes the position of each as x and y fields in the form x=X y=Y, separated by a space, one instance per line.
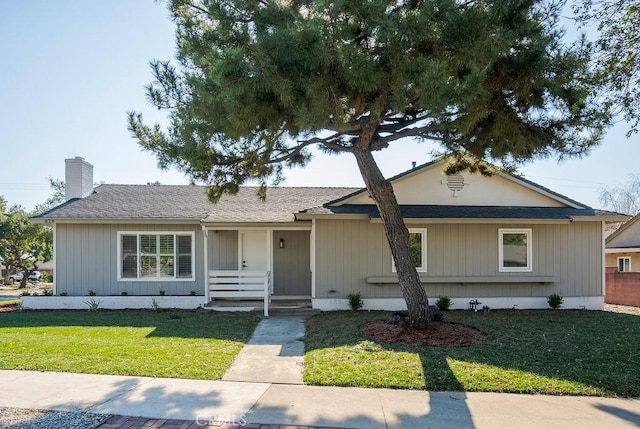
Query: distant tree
x=24 y=244
x=260 y=82
x=56 y=198
x=622 y=199
x=618 y=52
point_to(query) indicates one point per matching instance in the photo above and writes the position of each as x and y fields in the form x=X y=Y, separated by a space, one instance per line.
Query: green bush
x=443 y=303
x=47 y=277
x=92 y=292
x=355 y=301
x=555 y=301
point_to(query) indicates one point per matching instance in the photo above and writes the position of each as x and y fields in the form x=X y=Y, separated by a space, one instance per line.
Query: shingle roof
x=465 y=212
x=184 y=202
x=280 y=205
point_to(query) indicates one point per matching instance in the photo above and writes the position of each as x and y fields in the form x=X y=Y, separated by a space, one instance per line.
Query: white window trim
x=501 y=267
x=157 y=279
x=423 y=267
x=618 y=263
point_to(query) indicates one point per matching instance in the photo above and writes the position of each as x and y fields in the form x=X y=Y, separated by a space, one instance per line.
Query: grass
x=549 y=352
x=196 y=345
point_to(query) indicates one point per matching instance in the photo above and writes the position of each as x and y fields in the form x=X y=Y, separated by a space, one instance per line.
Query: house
x=502 y=240
x=622 y=261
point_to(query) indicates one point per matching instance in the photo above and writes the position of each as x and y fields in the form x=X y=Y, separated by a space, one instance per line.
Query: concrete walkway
x=274 y=353
x=226 y=404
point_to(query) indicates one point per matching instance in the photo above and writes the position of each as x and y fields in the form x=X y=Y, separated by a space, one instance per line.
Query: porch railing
x=240 y=285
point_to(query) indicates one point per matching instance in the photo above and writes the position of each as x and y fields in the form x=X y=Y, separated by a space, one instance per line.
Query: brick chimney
x=78 y=178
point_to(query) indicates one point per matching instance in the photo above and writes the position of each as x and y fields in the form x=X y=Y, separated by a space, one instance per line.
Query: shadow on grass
x=551 y=352
x=184 y=324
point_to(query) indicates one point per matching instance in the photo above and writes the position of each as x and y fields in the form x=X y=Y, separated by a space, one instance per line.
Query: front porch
x=258 y=267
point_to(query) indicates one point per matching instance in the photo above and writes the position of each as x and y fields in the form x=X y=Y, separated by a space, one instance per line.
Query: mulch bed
x=441 y=334
x=8 y=308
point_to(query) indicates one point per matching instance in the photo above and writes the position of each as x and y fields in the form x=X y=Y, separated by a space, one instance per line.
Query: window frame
x=628 y=265
x=423 y=267
x=139 y=254
x=528 y=233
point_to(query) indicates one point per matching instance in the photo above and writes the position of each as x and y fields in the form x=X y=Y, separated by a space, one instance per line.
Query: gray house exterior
x=502 y=240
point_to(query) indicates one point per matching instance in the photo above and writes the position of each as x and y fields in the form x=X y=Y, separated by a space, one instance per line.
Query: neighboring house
x=622 y=247
x=502 y=240
x=622 y=259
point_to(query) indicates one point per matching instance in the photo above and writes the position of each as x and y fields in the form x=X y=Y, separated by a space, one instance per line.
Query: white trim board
x=495 y=303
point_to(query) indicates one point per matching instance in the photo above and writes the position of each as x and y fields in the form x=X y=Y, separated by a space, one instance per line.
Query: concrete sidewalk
x=217 y=402
x=274 y=353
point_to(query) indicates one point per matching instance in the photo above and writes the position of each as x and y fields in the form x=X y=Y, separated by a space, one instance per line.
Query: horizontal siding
x=611 y=260
x=349 y=251
x=87 y=259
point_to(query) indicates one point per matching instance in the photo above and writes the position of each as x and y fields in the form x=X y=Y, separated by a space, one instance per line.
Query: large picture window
x=149 y=256
x=514 y=250
x=418 y=246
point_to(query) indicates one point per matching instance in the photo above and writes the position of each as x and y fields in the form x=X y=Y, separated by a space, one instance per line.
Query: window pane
x=415 y=243
x=166 y=266
x=514 y=250
x=184 y=244
x=166 y=244
x=184 y=266
x=129 y=256
x=148 y=266
x=624 y=264
x=184 y=256
x=148 y=244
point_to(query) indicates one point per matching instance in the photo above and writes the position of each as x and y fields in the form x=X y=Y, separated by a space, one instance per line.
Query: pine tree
x=258 y=82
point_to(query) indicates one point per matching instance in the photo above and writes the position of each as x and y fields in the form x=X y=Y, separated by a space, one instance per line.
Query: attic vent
x=455 y=183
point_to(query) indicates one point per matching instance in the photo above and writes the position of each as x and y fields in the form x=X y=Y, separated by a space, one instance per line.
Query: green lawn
x=199 y=345
x=550 y=352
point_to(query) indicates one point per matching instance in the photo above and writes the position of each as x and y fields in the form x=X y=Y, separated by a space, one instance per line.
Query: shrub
x=443 y=303
x=47 y=277
x=192 y=292
x=355 y=301
x=63 y=292
x=92 y=292
x=93 y=304
x=555 y=301
x=162 y=292
x=124 y=293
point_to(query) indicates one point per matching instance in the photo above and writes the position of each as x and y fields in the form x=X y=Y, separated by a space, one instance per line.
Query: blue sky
x=71 y=69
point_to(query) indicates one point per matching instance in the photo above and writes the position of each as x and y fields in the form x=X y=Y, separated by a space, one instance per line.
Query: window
x=418 y=246
x=624 y=263
x=145 y=256
x=514 y=250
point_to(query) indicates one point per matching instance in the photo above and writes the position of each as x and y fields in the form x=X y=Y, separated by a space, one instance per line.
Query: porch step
x=277 y=307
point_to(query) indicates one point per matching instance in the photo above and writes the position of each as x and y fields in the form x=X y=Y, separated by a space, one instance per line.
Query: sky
x=70 y=70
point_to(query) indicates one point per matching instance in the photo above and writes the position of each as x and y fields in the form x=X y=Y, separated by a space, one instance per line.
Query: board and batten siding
x=350 y=251
x=87 y=259
x=223 y=250
x=291 y=268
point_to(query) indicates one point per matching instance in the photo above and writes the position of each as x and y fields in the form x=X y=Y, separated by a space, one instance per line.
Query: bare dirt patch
x=441 y=334
x=614 y=308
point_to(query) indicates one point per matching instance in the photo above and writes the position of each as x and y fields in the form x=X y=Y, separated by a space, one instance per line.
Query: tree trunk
x=397 y=233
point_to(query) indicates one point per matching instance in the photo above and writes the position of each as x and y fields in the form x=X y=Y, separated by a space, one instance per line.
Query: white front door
x=253 y=250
